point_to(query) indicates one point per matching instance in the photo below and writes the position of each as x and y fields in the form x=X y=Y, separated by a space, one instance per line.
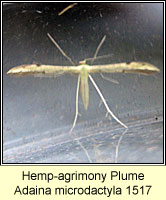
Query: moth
x=84 y=71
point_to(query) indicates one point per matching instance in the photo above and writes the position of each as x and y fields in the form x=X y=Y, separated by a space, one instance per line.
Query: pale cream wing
x=131 y=67
x=44 y=70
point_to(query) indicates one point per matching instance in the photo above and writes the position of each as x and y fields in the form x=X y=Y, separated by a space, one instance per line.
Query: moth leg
x=102 y=98
x=109 y=79
x=76 y=113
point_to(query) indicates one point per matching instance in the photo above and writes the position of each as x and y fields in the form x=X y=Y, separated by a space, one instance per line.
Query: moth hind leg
x=109 y=79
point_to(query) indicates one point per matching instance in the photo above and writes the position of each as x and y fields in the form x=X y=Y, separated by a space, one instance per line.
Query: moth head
x=82 y=62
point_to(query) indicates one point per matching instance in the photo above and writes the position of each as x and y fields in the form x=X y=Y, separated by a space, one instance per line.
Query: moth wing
x=42 y=70
x=132 y=67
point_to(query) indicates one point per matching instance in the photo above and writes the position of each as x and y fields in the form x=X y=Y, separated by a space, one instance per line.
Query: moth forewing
x=35 y=69
x=131 y=67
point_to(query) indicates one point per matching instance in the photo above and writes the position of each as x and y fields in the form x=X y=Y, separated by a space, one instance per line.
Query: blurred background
x=39 y=112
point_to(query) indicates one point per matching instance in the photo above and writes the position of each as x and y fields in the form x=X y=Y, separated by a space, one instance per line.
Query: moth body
x=84 y=85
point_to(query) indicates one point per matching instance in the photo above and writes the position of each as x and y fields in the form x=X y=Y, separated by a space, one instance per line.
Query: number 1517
x=135 y=189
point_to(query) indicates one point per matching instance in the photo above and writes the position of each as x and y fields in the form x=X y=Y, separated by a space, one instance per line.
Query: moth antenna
x=62 y=52
x=98 y=48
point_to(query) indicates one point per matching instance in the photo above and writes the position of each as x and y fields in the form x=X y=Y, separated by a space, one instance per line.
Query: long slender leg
x=75 y=120
x=102 y=98
x=76 y=113
x=109 y=79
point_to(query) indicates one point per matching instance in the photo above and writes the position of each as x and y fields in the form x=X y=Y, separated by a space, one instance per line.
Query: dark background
x=39 y=112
